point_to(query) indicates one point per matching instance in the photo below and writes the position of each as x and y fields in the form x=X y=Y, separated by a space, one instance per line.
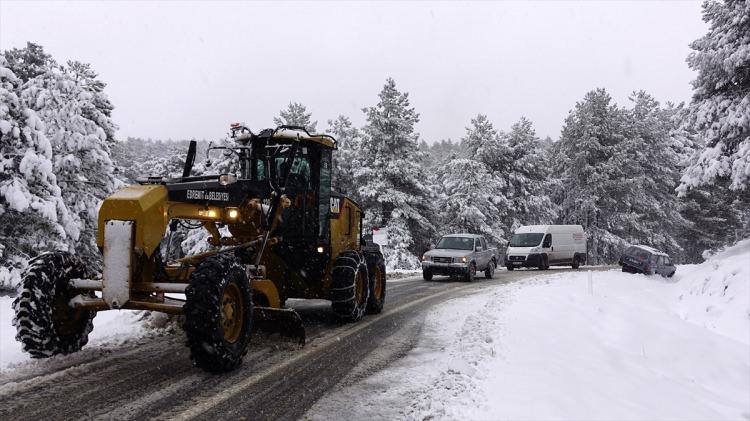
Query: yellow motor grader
x=277 y=229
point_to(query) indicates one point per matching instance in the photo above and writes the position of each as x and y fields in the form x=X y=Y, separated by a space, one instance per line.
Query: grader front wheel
x=218 y=314
x=45 y=324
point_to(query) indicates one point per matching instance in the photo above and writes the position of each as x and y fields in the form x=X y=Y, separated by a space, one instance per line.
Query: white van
x=542 y=246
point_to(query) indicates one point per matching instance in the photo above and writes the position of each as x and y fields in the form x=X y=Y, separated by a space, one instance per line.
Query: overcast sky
x=187 y=69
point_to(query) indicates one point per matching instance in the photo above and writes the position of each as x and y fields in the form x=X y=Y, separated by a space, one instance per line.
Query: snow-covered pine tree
x=469 y=199
x=296 y=115
x=88 y=79
x=591 y=179
x=348 y=141
x=720 y=109
x=28 y=62
x=390 y=183
x=484 y=144
x=34 y=216
x=169 y=163
x=649 y=210
x=81 y=151
x=441 y=152
x=527 y=175
x=712 y=220
x=714 y=215
x=517 y=165
x=471 y=192
x=135 y=157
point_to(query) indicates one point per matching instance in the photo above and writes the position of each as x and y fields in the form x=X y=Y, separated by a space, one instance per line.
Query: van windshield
x=526 y=240
x=457 y=243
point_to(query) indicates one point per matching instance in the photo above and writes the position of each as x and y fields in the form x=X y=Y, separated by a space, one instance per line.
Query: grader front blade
x=284 y=321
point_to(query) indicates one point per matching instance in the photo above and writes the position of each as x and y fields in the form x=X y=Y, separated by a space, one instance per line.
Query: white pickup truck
x=460 y=255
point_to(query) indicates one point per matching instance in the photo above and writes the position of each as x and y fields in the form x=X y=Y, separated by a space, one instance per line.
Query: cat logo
x=335 y=205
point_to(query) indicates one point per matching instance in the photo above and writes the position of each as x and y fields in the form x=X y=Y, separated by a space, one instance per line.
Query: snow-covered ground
x=110 y=328
x=599 y=345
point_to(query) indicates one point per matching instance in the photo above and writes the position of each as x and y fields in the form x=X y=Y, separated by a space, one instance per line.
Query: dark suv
x=648 y=260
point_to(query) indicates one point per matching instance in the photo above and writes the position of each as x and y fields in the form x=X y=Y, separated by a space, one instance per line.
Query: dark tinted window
x=260 y=170
x=526 y=240
x=547 y=241
x=638 y=253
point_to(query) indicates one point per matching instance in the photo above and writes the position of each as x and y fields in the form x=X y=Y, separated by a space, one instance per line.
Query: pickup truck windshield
x=457 y=243
x=526 y=240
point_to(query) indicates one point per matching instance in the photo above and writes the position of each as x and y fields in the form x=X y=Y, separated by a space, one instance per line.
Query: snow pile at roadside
x=110 y=329
x=575 y=345
x=402 y=273
x=716 y=293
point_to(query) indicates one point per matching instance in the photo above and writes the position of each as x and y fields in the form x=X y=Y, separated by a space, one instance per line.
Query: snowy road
x=152 y=376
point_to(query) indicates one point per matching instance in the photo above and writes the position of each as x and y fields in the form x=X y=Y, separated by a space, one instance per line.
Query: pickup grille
x=516 y=258
x=438 y=259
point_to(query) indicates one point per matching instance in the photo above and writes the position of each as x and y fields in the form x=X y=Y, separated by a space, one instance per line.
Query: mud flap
x=283 y=321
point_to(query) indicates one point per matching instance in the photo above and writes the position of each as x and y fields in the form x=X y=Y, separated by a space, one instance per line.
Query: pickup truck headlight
x=462 y=259
x=425 y=258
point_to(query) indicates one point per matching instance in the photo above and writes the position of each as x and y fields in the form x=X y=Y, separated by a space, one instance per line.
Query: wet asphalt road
x=153 y=377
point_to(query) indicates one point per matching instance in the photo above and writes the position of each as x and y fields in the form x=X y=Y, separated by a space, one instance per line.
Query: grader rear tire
x=377 y=286
x=350 y=289
x=45 y=324
x=218 y=314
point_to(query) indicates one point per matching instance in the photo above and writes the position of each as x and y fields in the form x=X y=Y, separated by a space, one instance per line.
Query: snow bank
x=111 y=328
x=569 y=346
x=716 y=293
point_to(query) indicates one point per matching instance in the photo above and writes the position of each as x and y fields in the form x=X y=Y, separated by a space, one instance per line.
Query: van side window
x=547 y=241
x=484 y=243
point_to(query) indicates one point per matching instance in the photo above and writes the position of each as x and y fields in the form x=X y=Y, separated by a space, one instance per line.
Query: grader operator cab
x=278 y=232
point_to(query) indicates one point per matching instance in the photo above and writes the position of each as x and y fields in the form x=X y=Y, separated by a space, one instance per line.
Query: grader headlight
x=208 y=213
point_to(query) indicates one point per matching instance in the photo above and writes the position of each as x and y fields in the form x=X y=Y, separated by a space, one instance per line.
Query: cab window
x=259 y=170
x=324 y=196
x=547 y=241
x=348 y=218
x=300 y=171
